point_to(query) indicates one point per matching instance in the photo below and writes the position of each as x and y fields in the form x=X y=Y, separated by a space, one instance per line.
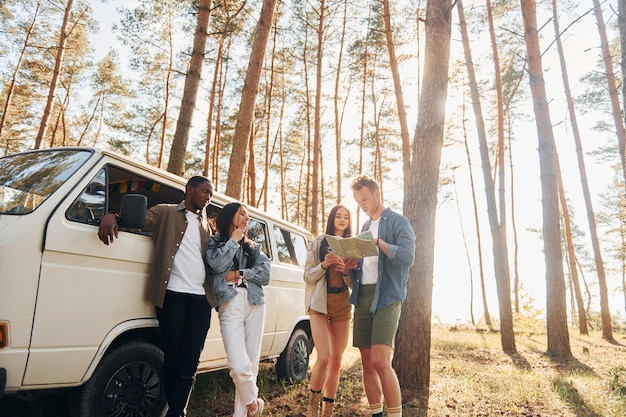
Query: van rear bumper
x=3 y=381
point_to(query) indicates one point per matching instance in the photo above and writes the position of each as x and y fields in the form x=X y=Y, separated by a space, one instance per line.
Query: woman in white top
x=327 y=301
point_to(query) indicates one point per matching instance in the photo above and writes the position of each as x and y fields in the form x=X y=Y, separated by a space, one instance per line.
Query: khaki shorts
x=374 y=329
x=338 y=307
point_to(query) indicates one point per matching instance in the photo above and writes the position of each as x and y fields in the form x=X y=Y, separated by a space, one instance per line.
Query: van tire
x=293 y=362
x=128 y=381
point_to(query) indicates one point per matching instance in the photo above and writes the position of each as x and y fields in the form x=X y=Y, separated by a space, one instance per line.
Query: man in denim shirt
x=378 y=292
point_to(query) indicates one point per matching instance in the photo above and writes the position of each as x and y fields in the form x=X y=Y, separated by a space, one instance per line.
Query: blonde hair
x=365 y=181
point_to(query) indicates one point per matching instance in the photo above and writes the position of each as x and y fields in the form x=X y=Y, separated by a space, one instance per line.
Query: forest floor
x=470 y=376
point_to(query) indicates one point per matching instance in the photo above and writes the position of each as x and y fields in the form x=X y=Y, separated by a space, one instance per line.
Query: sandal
x=260 y=404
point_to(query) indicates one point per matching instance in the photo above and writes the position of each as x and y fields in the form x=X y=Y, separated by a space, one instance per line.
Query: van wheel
x=127 y=382
x=293 y=362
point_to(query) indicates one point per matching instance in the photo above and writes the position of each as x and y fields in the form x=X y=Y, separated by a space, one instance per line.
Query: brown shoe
x=313 y=407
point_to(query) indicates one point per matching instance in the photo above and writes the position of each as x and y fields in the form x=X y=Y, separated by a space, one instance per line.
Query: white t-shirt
x=188 y=271
x=370 y=263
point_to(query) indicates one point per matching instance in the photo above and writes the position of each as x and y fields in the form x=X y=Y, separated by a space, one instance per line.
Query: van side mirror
x=133 y=211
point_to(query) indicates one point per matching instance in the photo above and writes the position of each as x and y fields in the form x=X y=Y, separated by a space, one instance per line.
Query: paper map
x=353 y=247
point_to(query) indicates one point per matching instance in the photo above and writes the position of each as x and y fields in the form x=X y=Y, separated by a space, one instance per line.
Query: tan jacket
x=315 y=296
x=168 y=222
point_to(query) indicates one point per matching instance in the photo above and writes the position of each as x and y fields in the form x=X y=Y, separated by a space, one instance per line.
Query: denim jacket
x=219 y=257
x=393 y=269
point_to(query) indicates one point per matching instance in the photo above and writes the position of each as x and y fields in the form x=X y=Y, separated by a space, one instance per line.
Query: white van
x=72 y=310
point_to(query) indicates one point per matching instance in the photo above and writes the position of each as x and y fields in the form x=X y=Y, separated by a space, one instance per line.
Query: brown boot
x=313 y=408
x=328 y=404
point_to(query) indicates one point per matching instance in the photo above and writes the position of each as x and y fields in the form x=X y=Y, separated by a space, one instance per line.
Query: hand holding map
x=353 y=247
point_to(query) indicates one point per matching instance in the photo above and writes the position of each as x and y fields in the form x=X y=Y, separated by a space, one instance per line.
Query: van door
x=86 y=289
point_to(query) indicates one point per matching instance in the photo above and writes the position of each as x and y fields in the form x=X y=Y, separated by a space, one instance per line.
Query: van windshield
x=27 y=179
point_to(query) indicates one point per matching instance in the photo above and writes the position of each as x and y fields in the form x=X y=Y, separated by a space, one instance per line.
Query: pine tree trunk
x=591 y=218
x=479 y=246
x=176 y=163
x=501 y=266
x=317 y=127
x=243 y=125
x=393 y=64
x=209 y=128
x=607 y=329
x=503 y=291
x=412 y=357
x=556 y=311
x=571 y=255
x=338 y=113
x=58 y=63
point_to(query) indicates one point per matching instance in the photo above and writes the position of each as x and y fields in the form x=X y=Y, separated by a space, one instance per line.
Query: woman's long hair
x=223 y=222
x=330 y=222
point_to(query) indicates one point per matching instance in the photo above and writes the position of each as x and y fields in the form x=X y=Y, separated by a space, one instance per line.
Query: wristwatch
x=241 y=274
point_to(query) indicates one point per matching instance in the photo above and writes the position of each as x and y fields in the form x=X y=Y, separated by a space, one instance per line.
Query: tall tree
x=317 y=118
x=11 y=88
x=501 y=265
x=556 y=304
x=607 y=329
x=571 y=255
x=591 y=217
x=54 y=82
x=243 y=128
x=500 y=146
x=227 y=22
x=397 y=85
x=339 y=112
x=479 y=245
x=621 y=16
x=190 y=92
x=412 y=356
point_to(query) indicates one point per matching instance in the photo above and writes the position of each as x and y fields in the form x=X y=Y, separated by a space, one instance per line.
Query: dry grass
x=470 y=377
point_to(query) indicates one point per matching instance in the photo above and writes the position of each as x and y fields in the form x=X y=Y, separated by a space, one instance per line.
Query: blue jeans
x=184 y=321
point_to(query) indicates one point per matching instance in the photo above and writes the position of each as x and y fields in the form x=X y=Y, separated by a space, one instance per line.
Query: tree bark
x=607 y=328
x=591 y=217
x=556 y=311
x=338 y=114
x=397 y=85
x=412 y=357
x=176 y=163
x=16 y=70
x=621 y=16
x=58 y=63
x=571 y=255
x=479 y=246
x=243 y=126
x=317 y=116
x=501 y=265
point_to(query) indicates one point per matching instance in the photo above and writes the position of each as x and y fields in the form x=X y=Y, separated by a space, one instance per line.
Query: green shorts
x=374 y=329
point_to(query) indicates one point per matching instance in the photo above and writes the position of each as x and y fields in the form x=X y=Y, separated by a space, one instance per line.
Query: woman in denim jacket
x=240 y=270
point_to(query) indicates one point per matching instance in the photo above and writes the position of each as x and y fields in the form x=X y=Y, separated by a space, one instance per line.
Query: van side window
x=105 y=190
x=257 y=231
x=122 y=182
x=291 y=247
